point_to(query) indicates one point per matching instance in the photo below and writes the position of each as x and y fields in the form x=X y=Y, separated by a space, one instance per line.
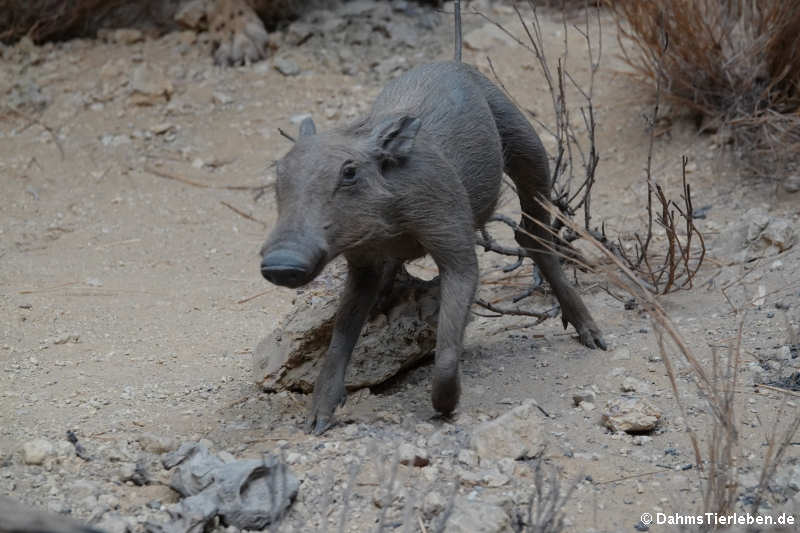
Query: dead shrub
x=44 y=20
x=663 y=265
x=54 y=20
x=735 y=64
x=571 y=5
x=672 y=267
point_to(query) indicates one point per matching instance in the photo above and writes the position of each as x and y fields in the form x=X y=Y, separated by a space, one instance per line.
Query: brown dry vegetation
x=734 y=64
x=55 y=19
x=569 y=5
x=45 y=20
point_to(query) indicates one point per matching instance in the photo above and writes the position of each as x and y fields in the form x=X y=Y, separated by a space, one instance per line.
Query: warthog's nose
x=286 y=268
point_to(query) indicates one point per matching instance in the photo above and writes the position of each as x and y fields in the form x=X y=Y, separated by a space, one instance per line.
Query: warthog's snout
x=289 y=268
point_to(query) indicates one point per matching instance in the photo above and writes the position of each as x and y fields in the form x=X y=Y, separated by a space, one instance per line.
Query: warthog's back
x=449 y=99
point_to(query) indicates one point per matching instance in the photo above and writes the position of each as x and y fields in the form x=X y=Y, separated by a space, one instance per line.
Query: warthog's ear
x=307 y=127
x=394 y=138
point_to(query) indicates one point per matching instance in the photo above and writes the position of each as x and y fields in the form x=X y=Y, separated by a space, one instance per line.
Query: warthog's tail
x=457 y=52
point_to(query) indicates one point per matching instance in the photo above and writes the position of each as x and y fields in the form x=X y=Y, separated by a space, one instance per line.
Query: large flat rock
x=400 y=332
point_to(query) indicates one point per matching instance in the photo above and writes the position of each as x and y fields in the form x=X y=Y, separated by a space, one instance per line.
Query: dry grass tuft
x=735 y=64
x=722 y=483
x=547 y=508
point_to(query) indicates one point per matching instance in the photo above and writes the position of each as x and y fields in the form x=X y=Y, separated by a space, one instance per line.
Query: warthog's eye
x=349 y=174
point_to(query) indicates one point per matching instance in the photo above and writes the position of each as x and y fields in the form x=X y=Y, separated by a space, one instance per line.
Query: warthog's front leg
x=360 y=294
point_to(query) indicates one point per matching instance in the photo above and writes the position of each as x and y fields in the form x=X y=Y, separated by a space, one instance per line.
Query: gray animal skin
x=418 y=175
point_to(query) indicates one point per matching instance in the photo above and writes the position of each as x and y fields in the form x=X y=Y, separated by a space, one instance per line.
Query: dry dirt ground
x=129 y=316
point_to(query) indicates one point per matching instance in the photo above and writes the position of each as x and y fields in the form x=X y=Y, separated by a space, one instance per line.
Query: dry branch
x=243 y=214
x=31 y=120
x=684 y=254
x=570 y=153
x=518 y=311
x=167 y=174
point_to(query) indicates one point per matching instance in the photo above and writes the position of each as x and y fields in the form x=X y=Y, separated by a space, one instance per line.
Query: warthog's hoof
x=328 y=394
x=446 y=390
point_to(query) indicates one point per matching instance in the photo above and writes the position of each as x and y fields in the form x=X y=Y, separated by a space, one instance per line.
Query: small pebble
x=36 y=451
x=286 y=66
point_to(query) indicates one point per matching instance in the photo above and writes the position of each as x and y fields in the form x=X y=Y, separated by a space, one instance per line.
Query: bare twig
x=776 y=448
x=546 y=508
x=286 y=135
x=253 y=297
x=721 y=485
x=388 y=491
x=243 y=214
x=517 y=311
x=327 y=496
x=33 y=120
x=778 y=389
x=162 y=173
x=448 y=510
x=117 y=243
x=355 y=468
x=633 y=476
x=48 y=289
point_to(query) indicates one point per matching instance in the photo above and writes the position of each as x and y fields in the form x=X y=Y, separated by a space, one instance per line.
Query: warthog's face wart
x=332 y=196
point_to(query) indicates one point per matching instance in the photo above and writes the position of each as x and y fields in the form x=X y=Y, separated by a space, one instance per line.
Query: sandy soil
x=128 y=298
